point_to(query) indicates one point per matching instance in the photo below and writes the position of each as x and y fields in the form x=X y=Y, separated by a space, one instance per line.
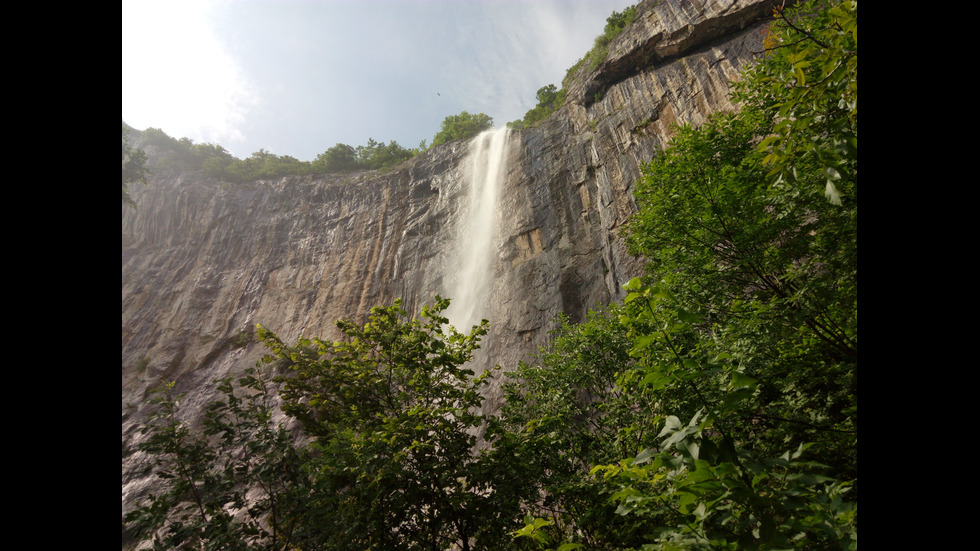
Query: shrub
x=462 y=126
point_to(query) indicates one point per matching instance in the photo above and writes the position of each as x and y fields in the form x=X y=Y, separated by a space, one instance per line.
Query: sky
x=296 y=77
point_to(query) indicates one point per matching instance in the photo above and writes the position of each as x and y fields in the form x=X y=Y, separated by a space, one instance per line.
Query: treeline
x=715 y=408
x=215 y=161
x=549 y=97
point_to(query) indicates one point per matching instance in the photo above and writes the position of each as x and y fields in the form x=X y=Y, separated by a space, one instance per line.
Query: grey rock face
x=204 y=260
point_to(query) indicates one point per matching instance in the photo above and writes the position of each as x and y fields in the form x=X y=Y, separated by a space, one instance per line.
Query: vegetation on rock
x=462 y=126
x=615 y=24
x=549 y=97
x=216 y=162
x=134 y=170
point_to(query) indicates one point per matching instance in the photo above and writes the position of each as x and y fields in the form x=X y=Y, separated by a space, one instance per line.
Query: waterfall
x=470 y=272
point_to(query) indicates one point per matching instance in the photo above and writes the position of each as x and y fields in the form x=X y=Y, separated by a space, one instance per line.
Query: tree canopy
x=392 y=413
x=339 y=158
x=216 y=162
x=462 y=126
x=549 y=99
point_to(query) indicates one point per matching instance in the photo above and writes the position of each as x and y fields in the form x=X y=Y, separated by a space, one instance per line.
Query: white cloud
x=177 y=75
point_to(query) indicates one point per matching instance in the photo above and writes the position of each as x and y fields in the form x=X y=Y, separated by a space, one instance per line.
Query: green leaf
x=644 y=456
x=740 y=380
x=832 y=193
x=644 y=341
x=655 y=380
x=688 y=317
x=733 y=399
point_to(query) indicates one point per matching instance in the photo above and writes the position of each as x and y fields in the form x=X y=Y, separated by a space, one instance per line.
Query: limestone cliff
x=203 y=261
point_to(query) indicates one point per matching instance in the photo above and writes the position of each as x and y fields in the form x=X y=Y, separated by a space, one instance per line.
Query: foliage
x=770 y=260
x=394 y=417
x=743 y=338
x=183 y=154
x=339 y=158
x=615 y=24
x=717 y=478
x=377 y=155
x=462 y=126
x=134 y=168
x=238 y=484
x=263 y=165
x=808 y=83
x=563 y=414
x=773 y=268
x=549 y=99
x=751 y=306
x=157 y=138
x=216 y=162
x=373 y=155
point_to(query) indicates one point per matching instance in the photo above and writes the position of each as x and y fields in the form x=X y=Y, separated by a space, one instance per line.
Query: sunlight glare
x=177 y=75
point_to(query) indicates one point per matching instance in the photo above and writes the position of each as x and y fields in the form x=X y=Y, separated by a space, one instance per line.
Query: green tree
x=184 y=154
x=565 y=413
x=214 y=160
x=133 y=167
x=378 y=155
x=615 y=24
x=263 y=164
x=236 y=484
x=751 y=305
x=461 y=127
x=743 y=339
x=338 y=158
x=808 y=84
x=393 y=414
x=618 y=21
x=712 y=481
x=549 y=99
x=772 y=267
x=770 y=260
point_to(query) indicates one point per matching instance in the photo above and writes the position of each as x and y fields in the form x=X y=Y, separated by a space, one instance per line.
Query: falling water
x=471 y=271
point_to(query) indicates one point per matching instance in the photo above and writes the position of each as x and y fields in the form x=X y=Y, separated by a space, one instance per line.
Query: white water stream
x=470 y=273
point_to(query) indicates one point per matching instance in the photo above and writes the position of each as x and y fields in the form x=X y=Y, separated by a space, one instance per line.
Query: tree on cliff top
x=133 y=167
x=462 y=126
x=549 y=99
x=338 y=158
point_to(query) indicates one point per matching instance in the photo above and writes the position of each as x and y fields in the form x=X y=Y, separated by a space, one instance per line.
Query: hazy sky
x=295 y=77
